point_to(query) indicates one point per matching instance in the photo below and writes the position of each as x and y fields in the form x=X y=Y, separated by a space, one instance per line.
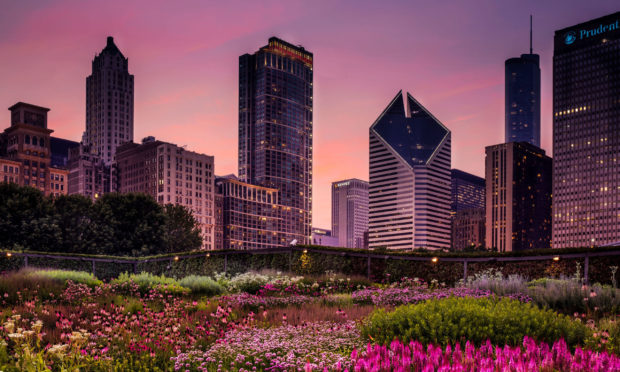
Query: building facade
x=60 y=149
x=468 y=229
x=467 y=191
x=324 y=238
x=89 y=175
x=10 y=170
x=467 y=210
x=275 y=129
x=350 y=212
x=170 y=174
x=27 y=142
x=523 y=99
x=409 y=188
x=518 y=197
x=109 y=103
x=586 y=134
x=251 y=215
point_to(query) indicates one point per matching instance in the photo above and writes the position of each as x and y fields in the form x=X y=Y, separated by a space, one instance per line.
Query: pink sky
x=184 y=56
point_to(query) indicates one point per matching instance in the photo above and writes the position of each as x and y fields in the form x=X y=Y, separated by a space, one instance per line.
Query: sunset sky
x=184 y=56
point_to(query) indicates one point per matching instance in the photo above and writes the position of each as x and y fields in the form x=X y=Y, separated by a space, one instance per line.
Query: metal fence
x=370 y=255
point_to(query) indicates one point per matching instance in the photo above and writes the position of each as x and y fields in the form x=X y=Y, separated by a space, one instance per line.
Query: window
x=27 y=140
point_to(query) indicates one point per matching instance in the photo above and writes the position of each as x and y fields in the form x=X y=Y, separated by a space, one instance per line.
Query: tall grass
x=201 y=285
x=63 y=276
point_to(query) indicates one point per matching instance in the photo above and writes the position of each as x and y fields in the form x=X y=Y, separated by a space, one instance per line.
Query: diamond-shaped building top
x=414 y=133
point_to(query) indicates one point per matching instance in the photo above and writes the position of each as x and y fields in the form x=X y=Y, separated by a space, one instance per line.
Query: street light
x=434 y=260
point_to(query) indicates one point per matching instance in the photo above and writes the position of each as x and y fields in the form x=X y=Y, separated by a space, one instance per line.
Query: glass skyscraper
x=109 y=103
x=523 y=99
x=275 y=129
x=409 y=188
x=586 y=133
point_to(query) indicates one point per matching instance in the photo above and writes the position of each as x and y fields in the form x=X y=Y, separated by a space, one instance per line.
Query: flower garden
x=58 y=320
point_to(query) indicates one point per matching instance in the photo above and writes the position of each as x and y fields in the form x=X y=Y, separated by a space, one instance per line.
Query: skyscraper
x=171 y=175
x=586 y=133
x=275 y=129
x=518 y=197
x=251 y=216
x=409 y=188
x=523 y=98
x=109 y=103
x=467 y=191
x=467 y=210
x=350 y=212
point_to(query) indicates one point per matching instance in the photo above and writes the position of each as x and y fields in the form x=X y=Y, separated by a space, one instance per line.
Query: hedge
x=317 y=260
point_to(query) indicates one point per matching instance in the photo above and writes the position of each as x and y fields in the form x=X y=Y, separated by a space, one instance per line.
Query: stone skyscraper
x=586 y=134
x=409 y=188
x=109 y=103
x=275 y=129
x=350 y=212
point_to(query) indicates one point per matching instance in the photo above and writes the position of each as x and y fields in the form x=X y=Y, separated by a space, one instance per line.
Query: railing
x=368 y=255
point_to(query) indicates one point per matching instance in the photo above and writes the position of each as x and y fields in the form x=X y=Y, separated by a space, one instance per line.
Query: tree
x=74 y=216
x=182 y=231
x=26 y=219
x=132 y=224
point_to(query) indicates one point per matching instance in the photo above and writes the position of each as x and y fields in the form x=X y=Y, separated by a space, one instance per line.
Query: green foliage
x=64 y=276
x=201 y=285
x=147 y=281
x=249 y=282
x=26 y=218
x=494 y=281
x=134 y=223
x=181 y=230
x=442 y=322
x=605 y=336
x=116 y=224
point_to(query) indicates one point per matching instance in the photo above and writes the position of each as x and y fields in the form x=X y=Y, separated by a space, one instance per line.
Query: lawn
x=69 y=321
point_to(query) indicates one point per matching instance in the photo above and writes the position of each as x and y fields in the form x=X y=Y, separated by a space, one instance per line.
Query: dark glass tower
x=275 y=129
x=109 y=103
x=586 y=133
x=523 y=98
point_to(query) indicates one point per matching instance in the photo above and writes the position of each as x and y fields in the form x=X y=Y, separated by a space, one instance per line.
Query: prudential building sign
x=573 y=35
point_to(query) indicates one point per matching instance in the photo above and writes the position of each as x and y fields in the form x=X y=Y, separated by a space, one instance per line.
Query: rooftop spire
x=530 y=34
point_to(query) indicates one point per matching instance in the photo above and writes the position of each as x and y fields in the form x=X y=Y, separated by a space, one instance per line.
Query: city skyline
x=46 y=63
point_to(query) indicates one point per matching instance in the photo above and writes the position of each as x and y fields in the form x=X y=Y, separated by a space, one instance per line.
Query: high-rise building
x=467 y=191
x=324 y=237
x=468 y=229
x=170 y=174
x=60 y=148
x=523 y=98
x=251 y=216
x=409 y=188
x=518 y=197
x=109 y=103
x=586 y=133
x=350 y=212
x=88 y=175
x=275 y=129
x=467 y=210
x=27 y=142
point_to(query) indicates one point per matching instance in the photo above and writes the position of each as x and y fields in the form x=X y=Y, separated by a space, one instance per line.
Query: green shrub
x=450 y=320
x=494 y=281
x=201 y=285
x=249 y=282
x=561 y=295
x=147 y=281
x=64 y=276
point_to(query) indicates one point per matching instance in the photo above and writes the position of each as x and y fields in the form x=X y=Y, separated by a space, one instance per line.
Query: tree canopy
x=116 y=224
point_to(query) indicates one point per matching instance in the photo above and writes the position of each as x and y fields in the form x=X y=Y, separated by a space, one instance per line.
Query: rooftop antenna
x=530 y=34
